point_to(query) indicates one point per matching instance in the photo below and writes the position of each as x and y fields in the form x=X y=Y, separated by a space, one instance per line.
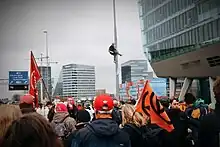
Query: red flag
x=34 y=78
x=149 y=105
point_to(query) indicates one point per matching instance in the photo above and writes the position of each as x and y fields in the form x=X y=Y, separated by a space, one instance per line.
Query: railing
x=184 y=50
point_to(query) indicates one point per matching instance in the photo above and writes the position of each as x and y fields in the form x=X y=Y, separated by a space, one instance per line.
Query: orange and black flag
x=149 y=105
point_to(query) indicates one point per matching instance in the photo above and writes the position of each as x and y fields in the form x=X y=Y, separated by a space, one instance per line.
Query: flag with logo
x=34 y=78
x=149 y=105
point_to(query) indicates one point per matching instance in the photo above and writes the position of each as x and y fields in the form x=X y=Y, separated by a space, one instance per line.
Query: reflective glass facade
x=177 y=23
x=134 y=70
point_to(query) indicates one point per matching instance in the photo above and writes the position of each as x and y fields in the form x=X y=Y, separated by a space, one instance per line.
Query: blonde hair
x=8 y=113
x=130 y=116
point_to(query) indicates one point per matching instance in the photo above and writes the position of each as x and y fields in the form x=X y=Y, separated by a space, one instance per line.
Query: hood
x=103 y=127
x=58 y=117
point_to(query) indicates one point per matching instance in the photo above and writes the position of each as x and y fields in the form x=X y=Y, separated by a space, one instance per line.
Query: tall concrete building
x=78 y=80
x=135 y=70
x=46 y=74
x=181 y=38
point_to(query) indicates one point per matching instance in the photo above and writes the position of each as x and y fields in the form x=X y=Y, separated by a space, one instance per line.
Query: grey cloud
x=80 y=31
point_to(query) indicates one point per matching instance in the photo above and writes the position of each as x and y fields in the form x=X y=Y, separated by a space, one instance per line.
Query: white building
x=78 y=81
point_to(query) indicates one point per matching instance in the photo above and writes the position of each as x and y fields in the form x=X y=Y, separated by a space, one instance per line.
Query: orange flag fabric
x=149 y=105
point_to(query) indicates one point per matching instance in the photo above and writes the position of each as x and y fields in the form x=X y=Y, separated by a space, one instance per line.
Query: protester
x=51 y=111
x=26 y=104
x=8 y=113
x=133 y=123
x=31 y=130
x=90 y=110
x=42 y=110
x=116 y=113
x=102 y=132
x=210 y=124
x=72 y=109
x=62 y=123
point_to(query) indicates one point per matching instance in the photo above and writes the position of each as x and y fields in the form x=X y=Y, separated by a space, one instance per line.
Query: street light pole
x=116 y=45
x=47 y=57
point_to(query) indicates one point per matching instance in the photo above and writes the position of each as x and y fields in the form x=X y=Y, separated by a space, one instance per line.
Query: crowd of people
x=109 y=123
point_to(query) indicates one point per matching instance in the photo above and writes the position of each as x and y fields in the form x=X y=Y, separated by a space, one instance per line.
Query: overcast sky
x=80 y=31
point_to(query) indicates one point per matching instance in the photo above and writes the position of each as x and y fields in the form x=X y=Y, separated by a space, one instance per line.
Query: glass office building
x=181 y=36
x=78 y=81
x=134 y=70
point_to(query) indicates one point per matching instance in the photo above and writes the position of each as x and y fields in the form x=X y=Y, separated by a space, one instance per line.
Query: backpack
x=150 y=136
x=61 y=129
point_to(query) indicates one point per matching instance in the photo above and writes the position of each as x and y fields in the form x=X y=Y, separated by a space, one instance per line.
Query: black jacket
x=135 y=137
x=210 y=129
x=100 y=133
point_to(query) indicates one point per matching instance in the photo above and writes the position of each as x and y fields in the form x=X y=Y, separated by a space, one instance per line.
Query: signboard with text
x=18 y=80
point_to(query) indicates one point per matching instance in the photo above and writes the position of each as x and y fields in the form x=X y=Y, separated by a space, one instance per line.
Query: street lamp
x=114 y=52
x=47 y=57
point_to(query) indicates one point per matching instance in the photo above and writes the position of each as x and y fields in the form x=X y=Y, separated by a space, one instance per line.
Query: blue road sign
x=18 y=78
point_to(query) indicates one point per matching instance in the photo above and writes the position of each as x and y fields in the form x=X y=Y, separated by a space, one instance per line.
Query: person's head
x=189 y=98
x=216 y=89
x=83 y=116
x=61 y=108
x=103 y=106
x=130 y=116
x=8 y=113
x=31 y=130
x=49 y=104
x=165 y=102
x=116 y=103
x=26 y=103
x=40 y=105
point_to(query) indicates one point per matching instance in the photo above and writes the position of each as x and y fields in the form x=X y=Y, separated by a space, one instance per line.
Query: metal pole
x=41 y=86
x=47 y=57
x=116 y=45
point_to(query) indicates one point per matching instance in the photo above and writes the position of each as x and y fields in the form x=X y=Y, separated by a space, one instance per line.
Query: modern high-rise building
x=134 y=70
x=78 y=81
x=58 y=91
x=46 y=74
x=181 y=37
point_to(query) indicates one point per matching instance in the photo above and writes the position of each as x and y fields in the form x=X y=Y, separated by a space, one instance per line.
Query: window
x=214 y=29
x=205 y=30
x=201 y=34
x=210 y=33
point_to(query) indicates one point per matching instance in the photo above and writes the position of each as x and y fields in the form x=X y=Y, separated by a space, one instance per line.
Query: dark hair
x=31 y=130
x=83 y=116
x=189 y=98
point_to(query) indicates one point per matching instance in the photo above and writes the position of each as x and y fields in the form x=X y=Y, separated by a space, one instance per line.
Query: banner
x=149 y=105
x=34 y=78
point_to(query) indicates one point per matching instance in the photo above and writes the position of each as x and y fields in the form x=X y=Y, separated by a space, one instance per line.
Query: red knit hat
x=28 y=99
x=103 y=103
x=60 y=107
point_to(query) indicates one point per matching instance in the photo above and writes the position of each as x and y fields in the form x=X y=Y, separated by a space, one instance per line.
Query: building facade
x=134 y=70
x=100 y=92
x=46 y=74
x=58 y=91
x=176 y=30
x=181 y=38
x=78 y=81
x=133 y=90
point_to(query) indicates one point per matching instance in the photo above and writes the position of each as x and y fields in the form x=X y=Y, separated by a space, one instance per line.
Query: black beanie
x=83 y=116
